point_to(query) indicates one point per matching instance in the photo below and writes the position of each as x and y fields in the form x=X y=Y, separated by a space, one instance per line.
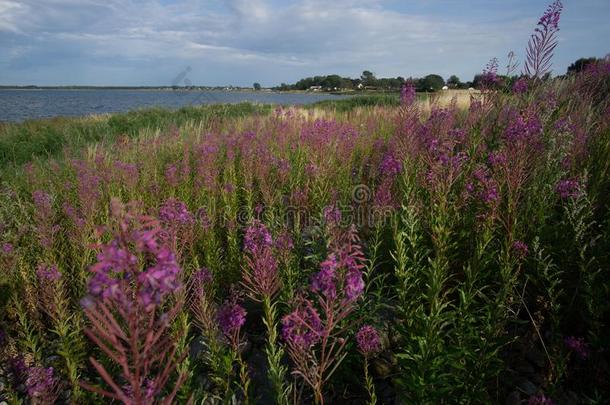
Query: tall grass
x=22 y=142
x=406 y=253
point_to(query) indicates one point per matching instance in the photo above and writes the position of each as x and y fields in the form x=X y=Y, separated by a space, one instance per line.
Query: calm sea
x=19 y=105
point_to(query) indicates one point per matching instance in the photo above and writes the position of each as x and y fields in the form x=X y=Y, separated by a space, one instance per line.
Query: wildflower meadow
x=408 y=254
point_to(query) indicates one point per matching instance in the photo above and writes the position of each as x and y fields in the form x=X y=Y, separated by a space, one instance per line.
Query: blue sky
x=150 y=42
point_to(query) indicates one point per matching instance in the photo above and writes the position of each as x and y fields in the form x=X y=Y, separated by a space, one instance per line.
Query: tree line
x=431 y=82
x=368 y=81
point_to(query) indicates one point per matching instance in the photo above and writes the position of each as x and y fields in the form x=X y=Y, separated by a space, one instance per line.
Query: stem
x=370 y=387
x=275 y=353
x=244 y=378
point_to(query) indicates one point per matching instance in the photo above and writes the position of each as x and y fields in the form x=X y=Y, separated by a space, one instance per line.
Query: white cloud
x=241 y=40
x=10 y=13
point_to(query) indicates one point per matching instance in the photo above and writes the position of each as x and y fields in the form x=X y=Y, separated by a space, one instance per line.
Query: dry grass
x=445 y=97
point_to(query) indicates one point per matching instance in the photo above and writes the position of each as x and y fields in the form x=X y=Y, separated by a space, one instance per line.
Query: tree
x=256 y=86
x=580 y=65
x=368 y=78
x=432 y=83
x=454 y=82
x=331 y=81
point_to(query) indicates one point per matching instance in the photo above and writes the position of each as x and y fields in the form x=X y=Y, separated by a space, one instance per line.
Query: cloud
x=239 y=41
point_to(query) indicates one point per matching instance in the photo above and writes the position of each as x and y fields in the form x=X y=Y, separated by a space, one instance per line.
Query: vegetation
x=349 y=104
x=22 y=142
x=395 y=253
x=581 y=64
x=432 y=83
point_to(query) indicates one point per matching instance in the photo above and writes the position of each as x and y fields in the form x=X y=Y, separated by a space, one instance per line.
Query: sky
x=222 y=42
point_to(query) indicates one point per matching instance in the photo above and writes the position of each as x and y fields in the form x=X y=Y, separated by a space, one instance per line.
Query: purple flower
x=324 y=281
x=369 y=342
x=49 y=273
x=159 y=280
x=7 y=248
x=284 y=243
x=228 y=188
x=302 y=327
x=257 y=237
x=203 y=276
x=41 y=382
x=390 y=166
x=523 y=129
x=520 y=86
x=354 y=285
x=489 y=77
x=119 y=274
x=458 y=134
x=490 y=195
x=496 y=159
x=148 y=390
x=520 y=248
x=171 y=175
x=113 y=262
x=383 y=195
x=231 y=317
x=551 y=16
x=540 y=399
x=88 y=186
x=578 y=346
x=127 y=172
x=332 y=214
x=175 y=212
x=43 y=202
x=568 y=188
x=542 y=43
x=407 y=94
x=200 y=282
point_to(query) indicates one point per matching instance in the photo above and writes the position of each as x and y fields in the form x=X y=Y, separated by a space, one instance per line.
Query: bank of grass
x=33 y=139
x=388 y=99
x=25 y=141
x=348 y=104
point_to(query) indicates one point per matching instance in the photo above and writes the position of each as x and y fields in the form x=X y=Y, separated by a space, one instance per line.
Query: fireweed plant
x=315 y=331
x=136 y=274
x=458 y=252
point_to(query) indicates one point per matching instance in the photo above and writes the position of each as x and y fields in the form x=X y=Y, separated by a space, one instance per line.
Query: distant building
x=315 y=88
